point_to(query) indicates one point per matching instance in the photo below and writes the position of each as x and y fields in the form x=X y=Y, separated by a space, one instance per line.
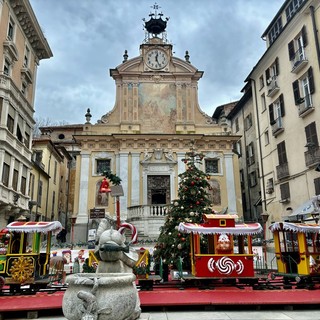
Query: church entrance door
x=158 y=189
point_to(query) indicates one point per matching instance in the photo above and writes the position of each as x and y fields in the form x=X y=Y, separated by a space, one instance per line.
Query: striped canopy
x=239 y=229
x=35 y=226
x=295 y=227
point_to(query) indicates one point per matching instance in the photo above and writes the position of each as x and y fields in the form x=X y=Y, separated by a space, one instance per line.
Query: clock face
x=156 y=59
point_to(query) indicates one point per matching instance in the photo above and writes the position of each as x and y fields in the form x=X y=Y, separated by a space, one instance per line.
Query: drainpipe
x=315 y=33
x=263 y=194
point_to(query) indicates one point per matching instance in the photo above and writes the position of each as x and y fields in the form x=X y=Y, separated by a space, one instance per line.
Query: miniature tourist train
x=23 y=261
x=229 y=257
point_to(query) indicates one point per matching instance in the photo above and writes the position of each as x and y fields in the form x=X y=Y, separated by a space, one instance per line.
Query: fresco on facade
x=101 y=199
x=158 y=107
x=214 y=192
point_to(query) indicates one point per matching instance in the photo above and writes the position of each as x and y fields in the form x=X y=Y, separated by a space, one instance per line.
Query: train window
x=291 y=241
x=288 y=241
x=223 y=222
x=313 y=242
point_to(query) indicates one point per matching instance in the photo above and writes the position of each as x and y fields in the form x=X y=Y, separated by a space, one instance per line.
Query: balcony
x=273 y=87
x=305 y=106
x=26 y=75
x=10 y=49
x=148 y=219
x=312 y=155
x=277 y=126
x=282 y=171
x=299 y=61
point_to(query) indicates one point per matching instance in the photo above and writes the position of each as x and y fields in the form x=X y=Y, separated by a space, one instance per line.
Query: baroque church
x=155 y=120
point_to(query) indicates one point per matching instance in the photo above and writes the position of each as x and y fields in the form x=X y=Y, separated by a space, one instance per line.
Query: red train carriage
x=24 y=262
x=229 y=247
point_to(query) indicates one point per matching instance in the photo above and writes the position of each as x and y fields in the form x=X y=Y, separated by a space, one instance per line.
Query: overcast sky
x=88 y=37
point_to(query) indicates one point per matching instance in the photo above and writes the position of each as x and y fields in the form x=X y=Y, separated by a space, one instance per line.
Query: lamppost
x=116 y=191
x=265 y=217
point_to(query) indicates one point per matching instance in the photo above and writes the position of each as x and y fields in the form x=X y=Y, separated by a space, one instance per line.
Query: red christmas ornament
x=192 y=183
x=198 y=202
x=183 y=239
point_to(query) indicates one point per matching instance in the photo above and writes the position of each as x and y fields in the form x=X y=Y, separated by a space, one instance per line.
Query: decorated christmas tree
x=172 y=246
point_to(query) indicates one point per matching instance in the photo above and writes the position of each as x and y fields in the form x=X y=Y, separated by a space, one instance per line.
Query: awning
x=295 y=227
x=304 y=211
x=35 y=226
x=239 y=229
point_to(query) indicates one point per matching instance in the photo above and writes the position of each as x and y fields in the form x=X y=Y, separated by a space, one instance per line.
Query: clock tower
x=156 y=91
x=156 y=51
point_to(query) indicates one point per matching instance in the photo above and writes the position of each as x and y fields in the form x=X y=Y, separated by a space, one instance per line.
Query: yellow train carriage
x=297 y=248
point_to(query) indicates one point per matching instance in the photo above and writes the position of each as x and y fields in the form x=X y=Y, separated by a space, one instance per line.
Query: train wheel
x=15 y=288
x=2 y=282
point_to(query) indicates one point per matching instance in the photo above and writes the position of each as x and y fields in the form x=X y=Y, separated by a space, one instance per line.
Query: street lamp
x=265 y=217
x=116 y=191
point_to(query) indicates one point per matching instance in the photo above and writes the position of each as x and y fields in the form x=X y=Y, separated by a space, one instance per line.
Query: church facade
x=155 y=120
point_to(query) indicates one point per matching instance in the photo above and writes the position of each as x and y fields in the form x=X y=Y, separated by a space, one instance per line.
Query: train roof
x=295 y=227
x=238 y=229
x=35 y=226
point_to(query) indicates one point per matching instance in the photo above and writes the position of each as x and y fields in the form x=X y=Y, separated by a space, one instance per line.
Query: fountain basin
x=100 y=296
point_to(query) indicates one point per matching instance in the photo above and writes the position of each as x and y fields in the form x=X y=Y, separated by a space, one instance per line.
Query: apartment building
x=49 y=181
x=286 y=109
x=22 y=46
x=243 y=122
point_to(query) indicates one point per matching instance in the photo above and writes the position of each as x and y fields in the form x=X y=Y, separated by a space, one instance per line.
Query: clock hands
x=156 y=58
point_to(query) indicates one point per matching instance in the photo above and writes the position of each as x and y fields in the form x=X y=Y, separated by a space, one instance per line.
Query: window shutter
x=296 y=92
x=281 y=105
x=304 y=36
x=267 y=75
x=311 y=133
x=271 y=114
x=247 y=155
x=291 y=50
x=311 y=81
x=277 y=66
x=282 y=155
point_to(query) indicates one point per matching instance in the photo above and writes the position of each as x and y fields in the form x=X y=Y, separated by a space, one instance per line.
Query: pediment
x=132 y=65
x=182 y=66
x=177 y=67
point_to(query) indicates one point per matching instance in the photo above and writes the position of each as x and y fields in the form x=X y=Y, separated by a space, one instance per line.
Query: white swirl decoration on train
x=225 y=265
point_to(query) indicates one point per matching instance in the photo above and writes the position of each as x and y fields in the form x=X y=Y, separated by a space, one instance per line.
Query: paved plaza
x=219 y=315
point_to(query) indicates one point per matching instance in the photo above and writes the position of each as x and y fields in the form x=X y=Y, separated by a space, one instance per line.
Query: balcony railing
x=305 y=105
x=299 y=60
x=277 y=126
x=312 y=156
x=273 y=87
x=282 y=170
x=147 y=211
